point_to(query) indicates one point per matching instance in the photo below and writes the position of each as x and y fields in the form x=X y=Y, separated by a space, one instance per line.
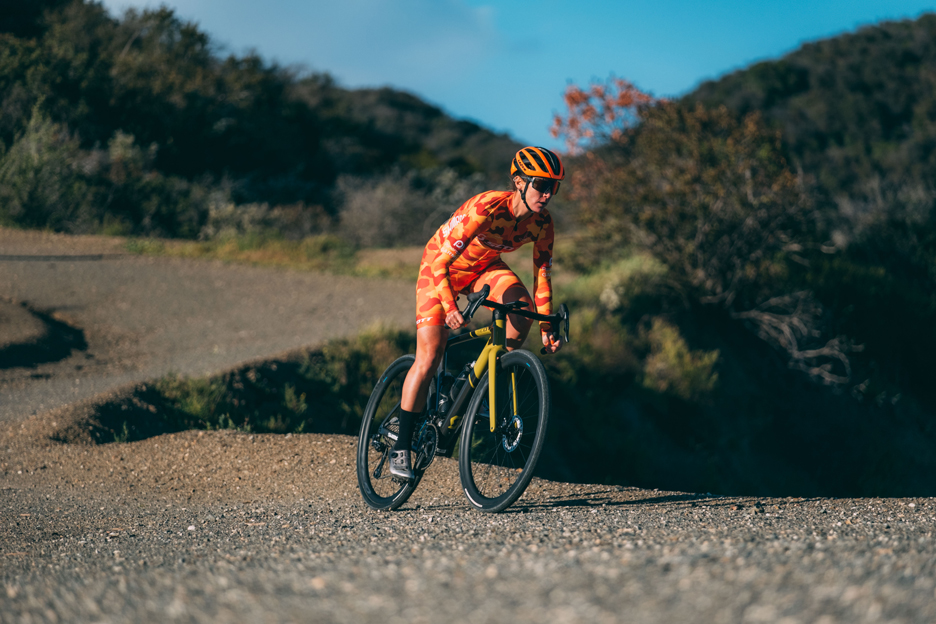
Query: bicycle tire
x=378 y=488
x=495 y=468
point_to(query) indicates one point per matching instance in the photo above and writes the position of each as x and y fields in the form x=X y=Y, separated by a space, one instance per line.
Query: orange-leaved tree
x=600 y=113
x=709 y=194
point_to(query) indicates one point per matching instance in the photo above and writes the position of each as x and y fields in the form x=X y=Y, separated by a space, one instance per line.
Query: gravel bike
x=493 y=415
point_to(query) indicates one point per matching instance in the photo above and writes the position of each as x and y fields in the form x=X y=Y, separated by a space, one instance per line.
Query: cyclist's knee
x=517 y=292
x=428 y=359
x=426 y=367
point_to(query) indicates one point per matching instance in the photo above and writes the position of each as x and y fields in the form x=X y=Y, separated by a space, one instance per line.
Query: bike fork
x=494 y=350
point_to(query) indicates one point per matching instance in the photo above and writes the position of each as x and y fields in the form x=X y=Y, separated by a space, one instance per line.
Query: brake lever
x=563 y=323
x=474 y=302
x=564 y=314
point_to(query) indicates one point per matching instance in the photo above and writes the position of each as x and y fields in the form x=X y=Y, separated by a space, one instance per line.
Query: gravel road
x=232 y=527
x=127 y=318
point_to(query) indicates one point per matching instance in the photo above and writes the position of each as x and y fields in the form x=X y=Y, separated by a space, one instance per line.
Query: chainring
x=426 y=448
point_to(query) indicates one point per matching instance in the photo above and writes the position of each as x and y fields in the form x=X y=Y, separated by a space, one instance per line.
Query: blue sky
x=506 y=64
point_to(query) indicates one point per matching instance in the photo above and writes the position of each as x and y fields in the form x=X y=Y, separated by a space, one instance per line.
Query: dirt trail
x=232 y=527
x=109 y=318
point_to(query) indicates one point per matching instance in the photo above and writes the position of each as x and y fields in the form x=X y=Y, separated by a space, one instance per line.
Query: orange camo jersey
x=465 y=253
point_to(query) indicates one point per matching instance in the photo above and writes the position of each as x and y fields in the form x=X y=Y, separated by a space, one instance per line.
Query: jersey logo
x=452 y=224
x=492 y=245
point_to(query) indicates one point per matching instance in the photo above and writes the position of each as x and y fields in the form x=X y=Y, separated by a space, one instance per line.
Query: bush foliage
x=207 y=130
x=853 y=108
x=706 y=193
x=324 y=390
x=766 y=263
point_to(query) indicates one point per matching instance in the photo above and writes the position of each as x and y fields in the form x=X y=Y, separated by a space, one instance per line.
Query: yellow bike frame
x=496 y=346
x=487 y=361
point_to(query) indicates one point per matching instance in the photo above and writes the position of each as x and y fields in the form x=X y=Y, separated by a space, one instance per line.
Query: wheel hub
x=512 y=434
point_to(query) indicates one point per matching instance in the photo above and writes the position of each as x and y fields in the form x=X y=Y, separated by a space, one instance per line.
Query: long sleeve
x=542 y=270
x=461 y=229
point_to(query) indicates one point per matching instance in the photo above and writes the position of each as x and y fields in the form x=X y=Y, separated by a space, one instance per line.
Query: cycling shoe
x=401 y=466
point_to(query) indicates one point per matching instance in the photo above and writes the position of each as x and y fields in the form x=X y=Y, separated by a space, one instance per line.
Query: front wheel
x=379 y=428
x=496 y=467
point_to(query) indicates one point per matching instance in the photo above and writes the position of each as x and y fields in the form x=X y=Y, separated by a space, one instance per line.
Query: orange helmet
x=537 y=162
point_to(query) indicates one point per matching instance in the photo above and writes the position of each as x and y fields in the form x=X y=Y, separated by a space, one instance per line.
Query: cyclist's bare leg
x=430 y=347
x=517 y=326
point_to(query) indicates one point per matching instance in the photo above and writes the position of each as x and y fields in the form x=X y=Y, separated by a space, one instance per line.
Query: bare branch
x=787 y=323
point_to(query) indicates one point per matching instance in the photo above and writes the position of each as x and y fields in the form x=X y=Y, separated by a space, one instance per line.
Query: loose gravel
x=231 y=527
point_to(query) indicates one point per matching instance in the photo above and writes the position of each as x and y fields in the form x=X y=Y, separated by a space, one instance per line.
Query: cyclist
x=465 y=254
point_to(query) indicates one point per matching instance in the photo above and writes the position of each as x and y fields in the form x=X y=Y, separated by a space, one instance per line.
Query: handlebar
x=476 y=300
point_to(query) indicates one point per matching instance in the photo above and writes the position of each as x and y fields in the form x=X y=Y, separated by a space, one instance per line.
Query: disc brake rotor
x=511 y=438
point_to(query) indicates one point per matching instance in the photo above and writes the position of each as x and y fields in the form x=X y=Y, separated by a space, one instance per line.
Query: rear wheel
x=379 y=428
x=496 y=467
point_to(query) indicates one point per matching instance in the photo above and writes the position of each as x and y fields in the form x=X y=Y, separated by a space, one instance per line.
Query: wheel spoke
x=498 y=464
x=379 y=429
x=378 y=471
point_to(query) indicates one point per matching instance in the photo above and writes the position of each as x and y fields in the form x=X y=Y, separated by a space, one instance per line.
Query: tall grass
x=323 y=252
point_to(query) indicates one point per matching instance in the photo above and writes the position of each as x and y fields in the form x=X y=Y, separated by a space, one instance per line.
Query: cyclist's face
x=535 y=199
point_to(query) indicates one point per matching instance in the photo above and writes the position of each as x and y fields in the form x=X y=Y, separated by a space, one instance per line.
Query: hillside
x=853 y=109
x=140 y=125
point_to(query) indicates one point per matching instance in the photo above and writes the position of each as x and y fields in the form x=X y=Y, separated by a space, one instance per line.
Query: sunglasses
x=545 y=185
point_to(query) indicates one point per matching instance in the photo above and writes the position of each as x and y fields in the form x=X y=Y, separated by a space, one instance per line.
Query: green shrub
x=322 y=390
x=672 y=368
x=42 y=183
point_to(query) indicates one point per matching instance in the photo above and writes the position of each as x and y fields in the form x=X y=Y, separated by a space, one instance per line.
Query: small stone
x=191 y=527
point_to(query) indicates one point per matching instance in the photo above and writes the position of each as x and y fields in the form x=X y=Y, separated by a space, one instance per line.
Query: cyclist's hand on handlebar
x=552 y=342
x=454 y=320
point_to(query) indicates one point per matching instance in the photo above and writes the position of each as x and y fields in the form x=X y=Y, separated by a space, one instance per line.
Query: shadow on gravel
x=599 y=499
x=131 y=415
x=57 y=341
x=609 y=498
